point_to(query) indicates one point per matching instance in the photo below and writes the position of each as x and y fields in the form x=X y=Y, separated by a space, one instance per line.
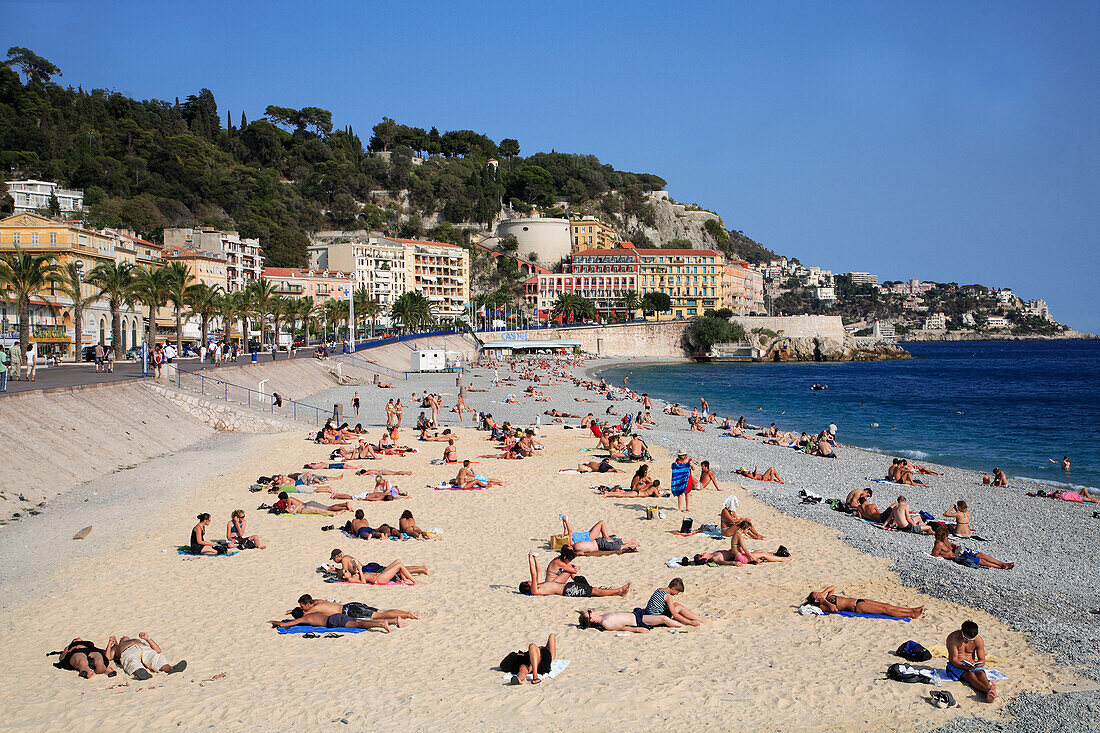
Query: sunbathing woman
x=290 y=505
x=236 y=532
x=731 y=522
x=945 y=548
x=199 y=545
x=961 y=515
x=467 y=479
x=361 y=528
x=407 y=525
x=636 y=621
x=352 y=571
x=769 y=475
x=331 y=621
x=653 y=490
x=603 y=466
x=829 y=602
x=85 y=658
x=533 y=660
x=383 y=491
x=575 y=587
x=742 y=552
x=561 y=569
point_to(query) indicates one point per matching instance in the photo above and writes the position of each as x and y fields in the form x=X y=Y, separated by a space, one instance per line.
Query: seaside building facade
x=31 y=196
x=692 y=278
x=863 y=278
x=244 y=259
x=208 y=268
x=604 y=276
x=51 y=316
x=439 y=271
x=376 y=266
x=742 y=288
x=317 y=285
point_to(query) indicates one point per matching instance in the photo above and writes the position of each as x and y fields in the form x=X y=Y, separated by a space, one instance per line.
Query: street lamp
x=79 y=294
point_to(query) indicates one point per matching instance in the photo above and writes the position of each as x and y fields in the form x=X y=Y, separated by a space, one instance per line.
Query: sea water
x=1014 y=405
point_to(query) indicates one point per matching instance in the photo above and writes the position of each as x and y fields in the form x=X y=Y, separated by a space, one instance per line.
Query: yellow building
x=204 y=267
x=51 y=312
x=591 y=233
x=691 y=278
x=439 y=271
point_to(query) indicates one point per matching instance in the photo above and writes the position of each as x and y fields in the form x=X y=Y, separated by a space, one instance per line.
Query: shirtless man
x=653 y=489
x=867 y=510
x=290 y=505
x=467 y=479
x=636 y=449
x=331 y=621
x=636 y=621
x=898 y=516
x=852 y=502
x=707 y=477
x=559 y=413
x=356 y=610
x=437 y=437
x=603 y=466
x=140 y=657
x=361 y=528
x=576 y=587
x=966 y=660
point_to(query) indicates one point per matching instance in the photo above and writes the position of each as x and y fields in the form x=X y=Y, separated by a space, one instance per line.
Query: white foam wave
x=1058 y=484
x=915 y=454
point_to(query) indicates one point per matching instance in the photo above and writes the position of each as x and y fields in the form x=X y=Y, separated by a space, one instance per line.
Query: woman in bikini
x=769 y=475
x=961 y=515
x=641 y=480
x=742 y=552
x=407 y=525
x=85 y=658
x=237 y=529
x=829 y=602
x=352 y=571
x=199 y=545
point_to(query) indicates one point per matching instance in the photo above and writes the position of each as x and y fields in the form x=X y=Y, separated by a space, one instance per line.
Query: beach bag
x=902 y=673
x=927 y=517
x=558 y=541
x=914 y=652
x=651 y=512
x=685 y=526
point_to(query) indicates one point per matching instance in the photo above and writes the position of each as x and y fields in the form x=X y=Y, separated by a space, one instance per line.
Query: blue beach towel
x=992 y=674
x=681 y=477
x=853 y=614
x=185 y=550
x=317 y=630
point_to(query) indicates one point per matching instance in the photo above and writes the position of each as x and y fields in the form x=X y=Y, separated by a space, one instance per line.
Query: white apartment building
x=884 y=331
x=997 y=322
x=378 y=267
x=244 y=257
x=437 y=270
x=1038 y=308
x=935 y=322
x=826 y=295
x=32 y=195
x=863 y=278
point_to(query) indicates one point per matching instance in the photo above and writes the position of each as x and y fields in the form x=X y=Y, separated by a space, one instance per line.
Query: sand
x=755 y=664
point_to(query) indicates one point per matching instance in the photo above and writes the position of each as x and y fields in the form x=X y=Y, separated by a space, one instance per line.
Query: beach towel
x=446 y=486
x=944 y=676
x=682 y=480
x=318 y=630
x=556 y=668
x=853 y=614
x=705 y=531
x=568 y=470
x=186 y=550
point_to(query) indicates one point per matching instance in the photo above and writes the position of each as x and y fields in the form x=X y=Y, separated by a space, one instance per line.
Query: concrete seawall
x=664 y=339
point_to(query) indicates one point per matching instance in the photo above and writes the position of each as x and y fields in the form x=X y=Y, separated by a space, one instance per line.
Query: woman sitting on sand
x=829 y=602
x=199 y=545
x=641 y=480
x=742 y=553
x=731 y=522
x=407 y=525
x=769 y=475
x=943 y=547
x=959 y=513
x=236 y=532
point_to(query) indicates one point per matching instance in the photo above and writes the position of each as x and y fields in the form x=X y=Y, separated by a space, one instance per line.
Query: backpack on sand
x=902 y=673
x=913 y=652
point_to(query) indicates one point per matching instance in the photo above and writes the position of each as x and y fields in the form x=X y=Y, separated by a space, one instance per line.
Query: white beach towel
x=556 y=668
x=992 y=674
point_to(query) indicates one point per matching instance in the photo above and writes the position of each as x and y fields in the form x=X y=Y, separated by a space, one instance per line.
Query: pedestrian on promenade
x=100 y=352
x=32 y=360
x=3 y=370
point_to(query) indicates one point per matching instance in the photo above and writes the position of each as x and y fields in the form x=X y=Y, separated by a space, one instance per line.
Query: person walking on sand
x=966 y=660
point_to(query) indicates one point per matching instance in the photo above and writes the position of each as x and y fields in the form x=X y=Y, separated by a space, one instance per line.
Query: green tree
x=631 y=302
x=34 y=67
x=114 y=280
x=205 y=302
x=261 y=295
x=705 y=332
x=412 y=310
x=372 y=309
x=70 y=283
x=657 y=302
x=234 y=309
x=509 y=147
x=177 y=281
x=150 y=288
x=22 y=276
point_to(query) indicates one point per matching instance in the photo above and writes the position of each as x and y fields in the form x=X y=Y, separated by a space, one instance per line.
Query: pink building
x=320 y=285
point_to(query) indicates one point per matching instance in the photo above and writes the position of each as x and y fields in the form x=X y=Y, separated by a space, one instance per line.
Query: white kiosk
x=428 y=360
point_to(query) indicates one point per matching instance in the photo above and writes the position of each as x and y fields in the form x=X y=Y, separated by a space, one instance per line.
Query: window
x=34 y=238
x=15 y=238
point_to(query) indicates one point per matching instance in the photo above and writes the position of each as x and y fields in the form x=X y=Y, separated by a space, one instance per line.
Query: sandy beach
x=755 y=663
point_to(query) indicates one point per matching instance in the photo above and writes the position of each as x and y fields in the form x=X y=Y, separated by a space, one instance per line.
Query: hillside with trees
x=153 y=164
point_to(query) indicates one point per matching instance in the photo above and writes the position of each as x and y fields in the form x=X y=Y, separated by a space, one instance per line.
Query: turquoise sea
x=1009 y=404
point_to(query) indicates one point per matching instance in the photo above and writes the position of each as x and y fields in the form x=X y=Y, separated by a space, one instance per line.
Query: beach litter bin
x=558 y=541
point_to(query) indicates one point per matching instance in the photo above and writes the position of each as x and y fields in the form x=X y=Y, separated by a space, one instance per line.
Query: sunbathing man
x=381 y=472
x=904 y=474
x=361 y=528
x=140 y=657
x=467 y=479
x=636 y=621
x=356 y=610
x=866 y=510
x=576 y=587
x=652 y=490
x=730 y=521
x=603 y=466
x=852 y=502
x=945 y=548
x=559 y=413
x=331 y=621
x=289 y=505
x=825 y=446
x=829 y=602
x=636 y=449
x=966 y=660
x=372 y=573
x=443 y=437
x=899 y=517
x=769 y=475
x=707 y=477
x=660 y=605
x=596 y=540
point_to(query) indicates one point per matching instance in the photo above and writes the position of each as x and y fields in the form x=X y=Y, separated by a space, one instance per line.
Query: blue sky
x=941 y=140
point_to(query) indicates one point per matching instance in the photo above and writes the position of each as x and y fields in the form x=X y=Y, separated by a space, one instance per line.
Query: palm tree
x=233 y=307
x=631 y=302
x=260 y=294
x=412 y=310
x=303 y=312
x=205 y=302
x=361 y=298
x=280 y=309
x=336 y=311
x=70 y=283
x=23 y=275
x=150 y=288
x=178 y=280
x=114 y=280
x=372 y=309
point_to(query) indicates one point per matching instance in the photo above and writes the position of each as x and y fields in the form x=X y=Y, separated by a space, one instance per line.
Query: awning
x=552 y=344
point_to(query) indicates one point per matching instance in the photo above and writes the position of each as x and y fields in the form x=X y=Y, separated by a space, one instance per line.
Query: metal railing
x=221 y=389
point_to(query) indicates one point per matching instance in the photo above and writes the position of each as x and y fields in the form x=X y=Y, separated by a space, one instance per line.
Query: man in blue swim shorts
x=966 y=660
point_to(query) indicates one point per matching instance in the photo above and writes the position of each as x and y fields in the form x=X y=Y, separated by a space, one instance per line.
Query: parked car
x=133 y=353
x=88 y=353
